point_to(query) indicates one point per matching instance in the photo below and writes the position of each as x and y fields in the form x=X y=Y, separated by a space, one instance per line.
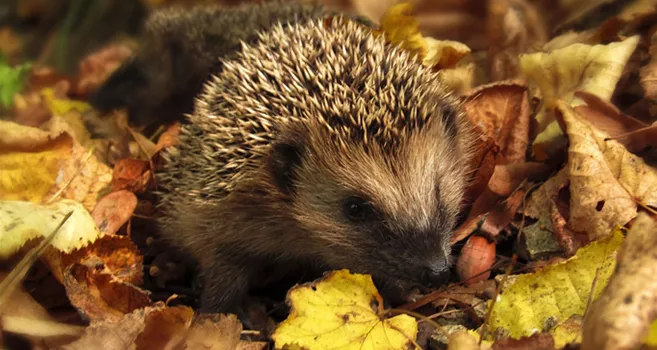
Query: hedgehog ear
x=283 y=160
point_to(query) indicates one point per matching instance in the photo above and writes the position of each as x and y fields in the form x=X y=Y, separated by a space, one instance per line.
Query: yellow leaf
x=558 y=74
x=623 y=314
x=21 y=221
x=29 y=176
x=341 y=311
x=69 y=116
x=401 y=29
x=556 y=292
x=444 y=53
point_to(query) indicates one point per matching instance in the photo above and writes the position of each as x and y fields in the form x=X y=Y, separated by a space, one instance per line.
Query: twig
x=489 y=312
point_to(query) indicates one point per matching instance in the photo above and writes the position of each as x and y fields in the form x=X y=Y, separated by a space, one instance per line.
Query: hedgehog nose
x=436 y=272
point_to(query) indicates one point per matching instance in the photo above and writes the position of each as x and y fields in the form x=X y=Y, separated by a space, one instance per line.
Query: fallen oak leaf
x=342 y=310
x=558 y=74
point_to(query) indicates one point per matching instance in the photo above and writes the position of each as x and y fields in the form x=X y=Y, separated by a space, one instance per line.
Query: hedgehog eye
x=357 y=209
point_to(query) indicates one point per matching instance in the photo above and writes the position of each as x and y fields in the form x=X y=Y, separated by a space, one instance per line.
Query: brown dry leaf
x=114 y=334
x=147 y=149
x=162 y=326
x=215 y=332
x=81 y=177
x=623 y=313
x=30 y=109
x=484 y=160
x=649 y=72
x=114 y=210
x=97 y=67
x=632 y=133
x=169 y=137
x=606 y=181
x=595 y=69
x=118 y=255
x=132 y=175
x=505 y=180
x=99 y=296
x=501 y=110
x=514 y=27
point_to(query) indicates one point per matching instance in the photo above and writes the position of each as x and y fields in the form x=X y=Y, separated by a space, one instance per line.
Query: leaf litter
x=562 y=95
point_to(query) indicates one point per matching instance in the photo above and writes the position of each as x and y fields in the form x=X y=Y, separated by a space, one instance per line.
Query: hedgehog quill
x=316 y=143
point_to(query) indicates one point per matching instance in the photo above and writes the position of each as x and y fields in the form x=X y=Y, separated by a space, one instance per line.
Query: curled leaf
x=559 y=74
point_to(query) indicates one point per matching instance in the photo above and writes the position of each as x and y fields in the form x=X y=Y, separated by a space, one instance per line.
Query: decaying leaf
x=556 y=292
x=97 y=295
x=113 y=334
x=501 y=110
x=558 y=74
x=131 y=174
x=342 y=310
x=606 y=181
x=21 y=221
x=55 y=165
x=622 y=316
x=117 y=254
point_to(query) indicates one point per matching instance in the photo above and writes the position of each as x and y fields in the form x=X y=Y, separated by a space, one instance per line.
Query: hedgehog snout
x=435 y=271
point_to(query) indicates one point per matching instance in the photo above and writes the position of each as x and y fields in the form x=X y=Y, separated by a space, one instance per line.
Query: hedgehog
x=318 y=144
x=181 y=49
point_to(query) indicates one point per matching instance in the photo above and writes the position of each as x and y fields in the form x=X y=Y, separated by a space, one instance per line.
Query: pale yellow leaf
x=21 y=221
x=558 y=74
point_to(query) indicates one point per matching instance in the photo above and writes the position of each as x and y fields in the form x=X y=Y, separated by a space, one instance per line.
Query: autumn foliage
x=555 y=246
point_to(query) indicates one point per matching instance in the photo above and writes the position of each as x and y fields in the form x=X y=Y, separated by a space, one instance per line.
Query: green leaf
x=12 y=80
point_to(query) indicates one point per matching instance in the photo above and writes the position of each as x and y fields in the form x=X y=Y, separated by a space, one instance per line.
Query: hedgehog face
x=386 y=212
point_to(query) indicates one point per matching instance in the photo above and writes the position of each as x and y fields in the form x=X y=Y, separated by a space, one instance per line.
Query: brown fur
x=295 y=129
